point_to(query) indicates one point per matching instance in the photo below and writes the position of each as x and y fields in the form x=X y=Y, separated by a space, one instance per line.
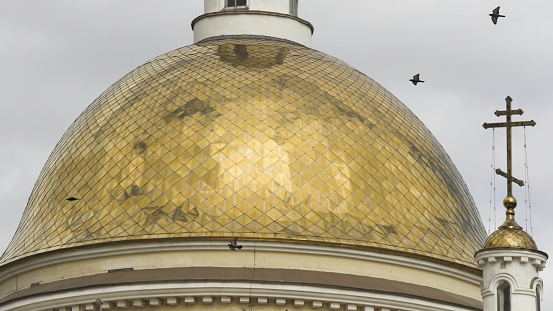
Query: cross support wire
x=509 y=125
x=510 y=201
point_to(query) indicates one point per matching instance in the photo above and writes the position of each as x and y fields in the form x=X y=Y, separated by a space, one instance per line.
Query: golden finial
x=509 y=202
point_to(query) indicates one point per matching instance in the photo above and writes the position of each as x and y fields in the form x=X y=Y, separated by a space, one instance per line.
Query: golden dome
x=255 y=138
x=510 y=238
x=510 y=234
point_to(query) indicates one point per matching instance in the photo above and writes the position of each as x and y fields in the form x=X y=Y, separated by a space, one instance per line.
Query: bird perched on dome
x=98 y=304
x=233 y=245
x=416 y=79
x=495 y=15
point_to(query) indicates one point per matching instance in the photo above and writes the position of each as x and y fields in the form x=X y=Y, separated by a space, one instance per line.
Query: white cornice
x=110 y=250
x=507 y=255
x=295 y=294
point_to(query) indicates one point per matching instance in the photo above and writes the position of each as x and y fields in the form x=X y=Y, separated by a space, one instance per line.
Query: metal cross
x=509 y=124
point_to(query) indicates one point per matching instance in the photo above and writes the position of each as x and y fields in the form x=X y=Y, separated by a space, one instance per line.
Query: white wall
x=279 y=6
x=253 y=24
x=212 y=5
x=519 y=268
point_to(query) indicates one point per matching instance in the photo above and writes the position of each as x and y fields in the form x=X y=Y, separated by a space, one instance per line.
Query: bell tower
x=276 y=18
x=510 y=259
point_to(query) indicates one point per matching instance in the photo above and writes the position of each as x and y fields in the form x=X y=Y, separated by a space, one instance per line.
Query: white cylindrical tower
x=277 y=19
x=511 y=262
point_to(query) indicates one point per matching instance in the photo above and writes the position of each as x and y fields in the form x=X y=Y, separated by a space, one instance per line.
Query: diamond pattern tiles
x=256 y=138
x=510 y=238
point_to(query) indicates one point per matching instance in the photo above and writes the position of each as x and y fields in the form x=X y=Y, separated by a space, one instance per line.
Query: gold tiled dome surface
x=510 y=238
x=255 y=138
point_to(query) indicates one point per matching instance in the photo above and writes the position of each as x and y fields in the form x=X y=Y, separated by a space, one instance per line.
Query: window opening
x=235 y=3
x=504 y=297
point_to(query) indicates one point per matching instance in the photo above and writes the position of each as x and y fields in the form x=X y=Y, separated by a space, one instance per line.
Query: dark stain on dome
x=190 y=108
x=252 y=57
x=253 y=138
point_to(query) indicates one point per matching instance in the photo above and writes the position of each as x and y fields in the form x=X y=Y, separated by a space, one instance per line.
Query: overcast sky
x=57 y=56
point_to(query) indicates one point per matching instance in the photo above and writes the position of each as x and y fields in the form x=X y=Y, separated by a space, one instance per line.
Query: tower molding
x=257 y=18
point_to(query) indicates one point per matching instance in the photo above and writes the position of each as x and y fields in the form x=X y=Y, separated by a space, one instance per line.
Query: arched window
x=235 y=3
x=504 y=297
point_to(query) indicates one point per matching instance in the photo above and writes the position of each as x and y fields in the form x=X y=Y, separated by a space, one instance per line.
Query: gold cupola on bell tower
x=510 y=258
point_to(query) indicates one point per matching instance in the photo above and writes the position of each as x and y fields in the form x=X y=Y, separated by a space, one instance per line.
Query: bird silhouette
x=495 y=15
x=71 y=199
x=233 y=245
x=416 y=79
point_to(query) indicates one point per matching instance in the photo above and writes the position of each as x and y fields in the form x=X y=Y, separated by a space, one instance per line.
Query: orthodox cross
x=508 y=125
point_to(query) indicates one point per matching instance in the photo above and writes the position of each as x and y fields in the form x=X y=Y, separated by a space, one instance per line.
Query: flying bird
x=416 y=79
x=495 y=15
x=233 y=245
x=71 y=199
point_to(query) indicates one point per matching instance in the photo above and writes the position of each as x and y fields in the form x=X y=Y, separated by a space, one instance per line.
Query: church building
x=250 y=172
